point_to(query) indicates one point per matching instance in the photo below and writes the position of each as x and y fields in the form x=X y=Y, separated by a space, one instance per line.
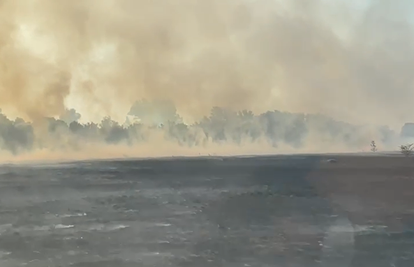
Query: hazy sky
x=348 y=59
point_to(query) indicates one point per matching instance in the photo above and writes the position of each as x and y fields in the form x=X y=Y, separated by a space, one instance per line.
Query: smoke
x=163 y=133
x=350 y=60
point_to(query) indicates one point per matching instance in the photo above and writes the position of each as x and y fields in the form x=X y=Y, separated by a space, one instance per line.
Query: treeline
x=220 y=126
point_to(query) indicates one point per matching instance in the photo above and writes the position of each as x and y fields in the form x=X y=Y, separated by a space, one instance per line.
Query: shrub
x=407 y=150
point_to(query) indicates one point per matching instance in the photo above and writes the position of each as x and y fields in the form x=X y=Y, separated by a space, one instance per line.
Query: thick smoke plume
x=350 y=60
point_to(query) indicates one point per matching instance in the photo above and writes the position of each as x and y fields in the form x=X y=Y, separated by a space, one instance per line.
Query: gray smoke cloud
x=341 y=59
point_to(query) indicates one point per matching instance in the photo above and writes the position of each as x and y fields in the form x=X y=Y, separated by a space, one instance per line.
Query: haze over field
x=349 y=60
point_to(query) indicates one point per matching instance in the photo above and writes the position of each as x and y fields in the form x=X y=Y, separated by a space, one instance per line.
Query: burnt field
x=256 y=211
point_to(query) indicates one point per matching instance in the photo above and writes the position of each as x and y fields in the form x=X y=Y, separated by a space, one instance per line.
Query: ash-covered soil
x=288 y=211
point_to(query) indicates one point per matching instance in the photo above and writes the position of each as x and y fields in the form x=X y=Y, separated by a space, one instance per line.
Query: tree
x=373 y=146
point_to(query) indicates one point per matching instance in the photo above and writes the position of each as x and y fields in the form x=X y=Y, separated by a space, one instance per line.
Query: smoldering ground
x=344 y=59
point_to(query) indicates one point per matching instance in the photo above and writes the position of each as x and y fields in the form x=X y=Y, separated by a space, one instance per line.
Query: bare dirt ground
x=293 y=211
